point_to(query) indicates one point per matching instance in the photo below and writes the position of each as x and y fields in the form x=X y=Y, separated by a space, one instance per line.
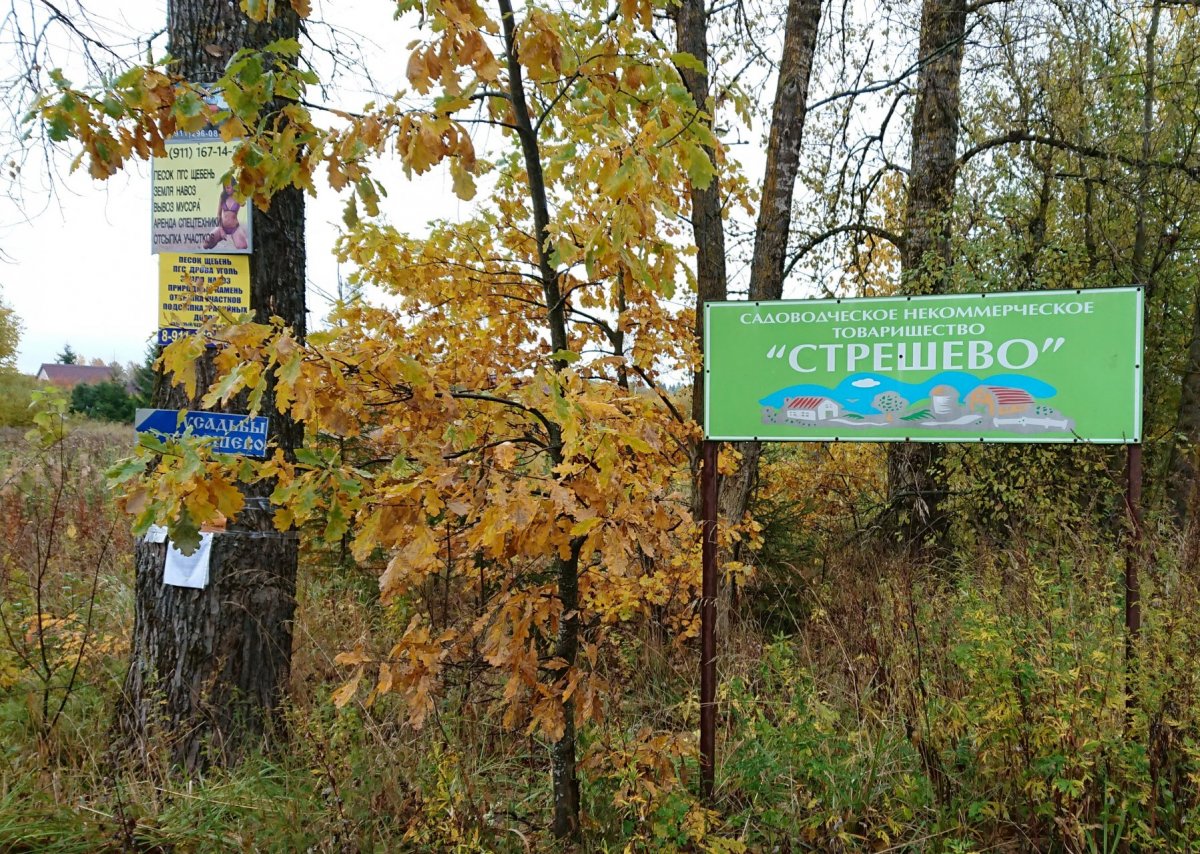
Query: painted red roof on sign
x=1008 y=396
x=804 y=402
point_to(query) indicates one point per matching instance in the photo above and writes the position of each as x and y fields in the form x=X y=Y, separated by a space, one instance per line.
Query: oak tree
x=500 y=425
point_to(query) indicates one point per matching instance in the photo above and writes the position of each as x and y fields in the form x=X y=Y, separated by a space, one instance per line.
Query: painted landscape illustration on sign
x=1002 y=402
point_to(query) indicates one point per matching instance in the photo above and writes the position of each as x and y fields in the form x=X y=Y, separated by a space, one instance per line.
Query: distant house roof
x=1008 y=396
x=804 y=402
x=68 y=376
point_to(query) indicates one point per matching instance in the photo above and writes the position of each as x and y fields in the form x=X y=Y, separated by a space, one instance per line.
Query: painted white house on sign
x=811 y=408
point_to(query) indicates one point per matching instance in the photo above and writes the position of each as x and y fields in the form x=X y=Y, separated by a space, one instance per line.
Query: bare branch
x=1020 y=135
x=853 y=228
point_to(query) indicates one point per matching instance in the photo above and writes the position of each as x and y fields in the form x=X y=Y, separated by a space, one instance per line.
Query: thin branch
x=517 y=440
x=979 y=4
x=537 y=126
x=854 y=228
x=504 y=401
x=73 y=27
x=880 y=85
x=1021 y=135
x=641 y=372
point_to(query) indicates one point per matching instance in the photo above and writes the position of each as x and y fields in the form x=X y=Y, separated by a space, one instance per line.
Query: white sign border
x=1139 y=355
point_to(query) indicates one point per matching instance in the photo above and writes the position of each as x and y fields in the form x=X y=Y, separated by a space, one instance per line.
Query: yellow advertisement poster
x=192 y=289
x=192 y=210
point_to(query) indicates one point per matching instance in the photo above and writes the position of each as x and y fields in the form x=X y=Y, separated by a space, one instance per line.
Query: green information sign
x=1037 y=366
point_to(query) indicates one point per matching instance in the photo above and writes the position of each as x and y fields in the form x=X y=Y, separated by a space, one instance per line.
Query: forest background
x=921 y=651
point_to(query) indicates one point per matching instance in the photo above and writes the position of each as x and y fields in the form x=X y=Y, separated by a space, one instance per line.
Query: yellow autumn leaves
x=447 y=443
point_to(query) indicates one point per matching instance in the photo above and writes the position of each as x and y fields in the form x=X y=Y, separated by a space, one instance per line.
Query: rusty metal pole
x=1133 y=558
x=708 y=620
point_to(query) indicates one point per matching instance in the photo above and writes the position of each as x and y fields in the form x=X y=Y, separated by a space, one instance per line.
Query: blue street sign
x=234 y=434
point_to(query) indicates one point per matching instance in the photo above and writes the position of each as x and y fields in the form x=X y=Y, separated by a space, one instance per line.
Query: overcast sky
x=75 y=260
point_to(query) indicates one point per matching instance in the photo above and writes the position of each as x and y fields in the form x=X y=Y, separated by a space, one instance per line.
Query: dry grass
x=979 y=707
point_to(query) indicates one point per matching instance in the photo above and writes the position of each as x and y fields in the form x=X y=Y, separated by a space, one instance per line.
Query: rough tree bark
x=208 y=668
x=914 y=488
x=691 y=36
x=788 y=115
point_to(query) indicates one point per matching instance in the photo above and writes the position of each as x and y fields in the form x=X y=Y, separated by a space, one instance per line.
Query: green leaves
x=125 y=470
x=57 y=128
x=699 y=167
x=367 y=191
x=188 y=105
x=49 y=405
x=688 y=61
x=350 y=212
x=284 y=47
x=184 y=532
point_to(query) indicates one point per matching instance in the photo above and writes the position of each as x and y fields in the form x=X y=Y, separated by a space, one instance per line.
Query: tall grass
x=867 y=704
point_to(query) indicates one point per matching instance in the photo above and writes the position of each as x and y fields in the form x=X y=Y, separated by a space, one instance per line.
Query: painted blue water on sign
x=234 y=434
x=857 y=392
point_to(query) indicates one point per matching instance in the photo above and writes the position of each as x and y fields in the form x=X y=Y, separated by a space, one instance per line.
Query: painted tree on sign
x=889 y=403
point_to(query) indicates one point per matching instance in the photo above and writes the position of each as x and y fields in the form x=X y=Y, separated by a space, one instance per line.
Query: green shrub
x=108 y=401
x=16 y=392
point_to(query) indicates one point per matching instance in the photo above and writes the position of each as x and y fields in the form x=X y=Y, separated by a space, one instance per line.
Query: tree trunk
x=209 y=668
x=1181 y=480
x=1182 y=469
x=563 y=771
x=691 y=36
x=788 y=115
x=915 y=487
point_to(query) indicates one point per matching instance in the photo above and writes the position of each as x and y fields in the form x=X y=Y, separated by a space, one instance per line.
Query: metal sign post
x=1133 y=554
x=708 y=619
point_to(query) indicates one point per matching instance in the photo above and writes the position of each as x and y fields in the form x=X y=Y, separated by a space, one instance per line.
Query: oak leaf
x=346 y=692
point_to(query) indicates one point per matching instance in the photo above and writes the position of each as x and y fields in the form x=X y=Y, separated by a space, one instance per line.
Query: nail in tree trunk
x=209 y=668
